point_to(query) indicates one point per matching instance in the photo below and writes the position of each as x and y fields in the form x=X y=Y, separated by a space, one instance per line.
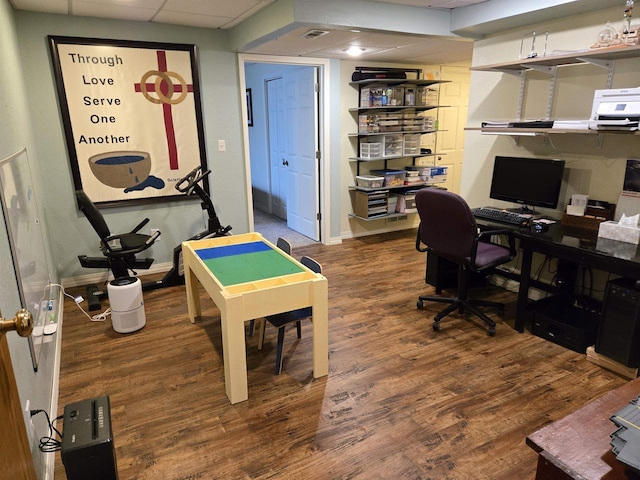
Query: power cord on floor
x=49 y=443
x=100 y=317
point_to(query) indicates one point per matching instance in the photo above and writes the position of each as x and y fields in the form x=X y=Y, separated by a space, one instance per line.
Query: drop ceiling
x=196 y=13
x=225 y=14
x=377 y=46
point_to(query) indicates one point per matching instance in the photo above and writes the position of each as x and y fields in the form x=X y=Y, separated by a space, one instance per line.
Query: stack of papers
x=572 y=124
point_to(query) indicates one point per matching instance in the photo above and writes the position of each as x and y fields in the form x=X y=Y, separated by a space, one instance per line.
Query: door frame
x=324 y=75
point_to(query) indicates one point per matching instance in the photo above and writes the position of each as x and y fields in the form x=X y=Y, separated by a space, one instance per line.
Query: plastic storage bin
x=426 y=96
x=390 y=122
x=392 y=178
x=411 y=144
x=423 y=172
x=406 y=202
x=371 y=149
x=392 y=145
x=369 y=181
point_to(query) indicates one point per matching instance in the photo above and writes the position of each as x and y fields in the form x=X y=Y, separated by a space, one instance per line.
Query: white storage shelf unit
x=392 y=116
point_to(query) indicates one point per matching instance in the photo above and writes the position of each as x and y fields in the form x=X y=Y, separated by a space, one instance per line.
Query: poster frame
x=120 y=199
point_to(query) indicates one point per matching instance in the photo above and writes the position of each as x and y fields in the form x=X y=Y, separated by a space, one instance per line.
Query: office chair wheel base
x=420 y=305
x=436 y=326
x=492 y=331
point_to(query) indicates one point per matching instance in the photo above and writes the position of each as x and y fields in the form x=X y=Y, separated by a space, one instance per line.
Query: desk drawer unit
x=371 y=204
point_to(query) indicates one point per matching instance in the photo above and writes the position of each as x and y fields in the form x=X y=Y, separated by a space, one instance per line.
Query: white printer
x=616 y=109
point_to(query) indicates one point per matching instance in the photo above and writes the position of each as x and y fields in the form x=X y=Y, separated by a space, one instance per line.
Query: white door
x=301 y=110
x=277 y=147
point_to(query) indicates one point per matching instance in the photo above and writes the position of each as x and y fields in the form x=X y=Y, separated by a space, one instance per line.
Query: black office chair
x=281 y=320
x=448 y=230
x=119 y=250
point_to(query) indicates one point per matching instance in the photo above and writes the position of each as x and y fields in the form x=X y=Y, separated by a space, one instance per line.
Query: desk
x=577 y=446
x=576 y=247
x=247 y=277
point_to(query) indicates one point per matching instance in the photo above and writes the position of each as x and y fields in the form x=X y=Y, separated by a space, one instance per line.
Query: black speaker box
x=567 y=325
x=619 y=335
x=87 y=441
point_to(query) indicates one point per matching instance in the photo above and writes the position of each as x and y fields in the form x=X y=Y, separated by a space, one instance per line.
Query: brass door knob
x=22 y=323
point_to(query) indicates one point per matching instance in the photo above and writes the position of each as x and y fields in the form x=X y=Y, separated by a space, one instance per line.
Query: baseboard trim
x=103 y=277
x=379 y=231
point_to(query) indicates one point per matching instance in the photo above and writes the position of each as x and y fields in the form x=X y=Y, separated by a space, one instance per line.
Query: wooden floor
x=400 y=400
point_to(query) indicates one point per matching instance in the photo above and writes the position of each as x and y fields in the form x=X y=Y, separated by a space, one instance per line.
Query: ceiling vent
x=314 y=33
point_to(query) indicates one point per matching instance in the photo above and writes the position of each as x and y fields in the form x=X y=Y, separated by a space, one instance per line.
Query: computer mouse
x=540 y=227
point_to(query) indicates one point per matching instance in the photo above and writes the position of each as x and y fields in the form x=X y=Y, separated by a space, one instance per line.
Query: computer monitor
x=531 y=182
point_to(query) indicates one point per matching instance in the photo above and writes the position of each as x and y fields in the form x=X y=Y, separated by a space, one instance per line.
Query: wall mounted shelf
x=600 y=57
x=404 y=142
x=596 y=56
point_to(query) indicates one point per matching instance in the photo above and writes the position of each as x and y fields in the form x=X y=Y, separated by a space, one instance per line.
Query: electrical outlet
x=31 y=429
x=153 y=231
x=222 y=146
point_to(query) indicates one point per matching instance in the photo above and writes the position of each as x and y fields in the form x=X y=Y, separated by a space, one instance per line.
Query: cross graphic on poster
x=165 y=89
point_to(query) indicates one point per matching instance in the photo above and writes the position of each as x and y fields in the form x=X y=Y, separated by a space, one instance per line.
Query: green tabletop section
x=249 y=267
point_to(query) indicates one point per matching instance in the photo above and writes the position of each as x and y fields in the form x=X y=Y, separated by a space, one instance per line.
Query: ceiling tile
x=89 y=9
x=149 y=4
x=229 y=8
x=191 y=19
x=49 y=6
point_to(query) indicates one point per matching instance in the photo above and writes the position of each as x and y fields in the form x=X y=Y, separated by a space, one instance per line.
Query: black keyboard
x=501 y=216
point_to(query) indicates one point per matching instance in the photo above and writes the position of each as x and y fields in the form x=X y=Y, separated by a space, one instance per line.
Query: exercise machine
x=119 y=251
x=123 y=259
x=190 y=185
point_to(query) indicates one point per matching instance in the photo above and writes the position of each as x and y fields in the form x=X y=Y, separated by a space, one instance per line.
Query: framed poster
x=132 y=117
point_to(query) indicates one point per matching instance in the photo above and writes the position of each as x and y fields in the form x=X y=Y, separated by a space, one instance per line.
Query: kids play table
x=248 y=277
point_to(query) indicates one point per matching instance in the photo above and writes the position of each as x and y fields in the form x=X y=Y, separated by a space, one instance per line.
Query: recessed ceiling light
x=354 y=51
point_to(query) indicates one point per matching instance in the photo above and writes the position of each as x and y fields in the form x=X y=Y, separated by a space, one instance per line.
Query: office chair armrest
x=503 y=231
x=140 y=225
x=419 y=242
x=490 y=233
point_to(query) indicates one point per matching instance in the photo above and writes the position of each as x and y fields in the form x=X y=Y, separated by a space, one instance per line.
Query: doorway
x=286 y=152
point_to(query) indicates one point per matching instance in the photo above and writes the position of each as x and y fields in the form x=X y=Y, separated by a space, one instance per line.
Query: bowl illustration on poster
x=123 y=169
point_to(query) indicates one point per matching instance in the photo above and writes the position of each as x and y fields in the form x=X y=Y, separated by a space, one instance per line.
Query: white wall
x=593 y=169
x=70 y=232
x=15 y=134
